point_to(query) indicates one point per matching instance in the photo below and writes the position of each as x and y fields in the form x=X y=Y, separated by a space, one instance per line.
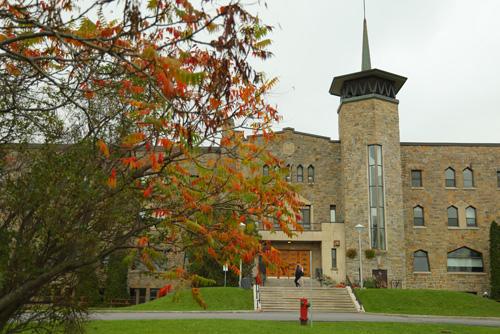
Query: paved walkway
x=293 y=316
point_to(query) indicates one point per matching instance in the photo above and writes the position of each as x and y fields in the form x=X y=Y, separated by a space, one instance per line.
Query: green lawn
x=273 y=327
x=429 y=302
x=217 y=299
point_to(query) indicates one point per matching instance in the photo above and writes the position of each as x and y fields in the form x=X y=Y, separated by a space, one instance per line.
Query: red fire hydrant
x=304 y=306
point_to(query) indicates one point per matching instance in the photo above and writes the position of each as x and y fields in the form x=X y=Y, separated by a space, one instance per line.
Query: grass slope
x=275 y=327
x=428 y=302
x=217 y=299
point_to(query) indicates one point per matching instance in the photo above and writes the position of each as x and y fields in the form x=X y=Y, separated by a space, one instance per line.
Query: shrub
x=351 y=253
x=495 y=260
x=116 y=286
x=369 y=254
x=369 y=283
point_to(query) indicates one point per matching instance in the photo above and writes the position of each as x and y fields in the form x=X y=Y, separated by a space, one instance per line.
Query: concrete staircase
x=289 y=282
x=286 y=298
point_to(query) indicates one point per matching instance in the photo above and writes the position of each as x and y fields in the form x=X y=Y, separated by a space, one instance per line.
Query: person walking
x=299 y=272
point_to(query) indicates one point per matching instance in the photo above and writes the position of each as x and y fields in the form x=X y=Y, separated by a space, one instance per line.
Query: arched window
x=452 y=216
x=449 y=176
x=470 y=216
x=265 y=170
x=421 y=261
x=465 y=260
x=310 y=174
x=468 y=178
x=288 y=176
x=418 y=216
x=300 y=173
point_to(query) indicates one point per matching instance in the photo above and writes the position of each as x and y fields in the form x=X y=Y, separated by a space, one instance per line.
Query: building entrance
x=290 y=259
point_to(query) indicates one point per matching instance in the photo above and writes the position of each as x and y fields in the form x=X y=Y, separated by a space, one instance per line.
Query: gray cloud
x=448 y=49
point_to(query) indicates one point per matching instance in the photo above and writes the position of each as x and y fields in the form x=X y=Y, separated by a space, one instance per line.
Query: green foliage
x=428 y=302
x=369 y=283
x=116 y=278
x=204 y=265
x=495 y=260
x=217 y=299
x=369 y=253
x=87 y=288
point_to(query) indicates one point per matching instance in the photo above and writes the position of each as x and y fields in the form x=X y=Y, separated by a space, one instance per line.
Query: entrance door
x=380 y=276
x=290 y=259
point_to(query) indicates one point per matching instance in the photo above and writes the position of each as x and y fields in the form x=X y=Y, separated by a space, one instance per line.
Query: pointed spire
x=365 y=61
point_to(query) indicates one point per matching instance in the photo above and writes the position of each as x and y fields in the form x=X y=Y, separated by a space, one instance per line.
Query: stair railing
x=256 y=298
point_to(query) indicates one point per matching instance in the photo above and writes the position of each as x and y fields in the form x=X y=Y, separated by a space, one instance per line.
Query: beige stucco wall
x=323 y=241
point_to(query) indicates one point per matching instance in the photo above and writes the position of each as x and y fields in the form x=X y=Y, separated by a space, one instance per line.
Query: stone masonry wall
x=363 y=122
x=436 y=237
x=297 y=148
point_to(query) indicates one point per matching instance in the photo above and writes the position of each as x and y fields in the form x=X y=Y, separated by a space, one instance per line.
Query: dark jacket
x=298 y=272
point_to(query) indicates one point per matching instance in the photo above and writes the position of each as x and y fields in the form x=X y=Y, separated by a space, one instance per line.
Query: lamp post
x=242 y=227
x=360 y=229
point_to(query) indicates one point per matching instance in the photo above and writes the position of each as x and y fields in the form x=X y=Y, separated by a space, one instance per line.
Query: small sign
x=336 y=243
x=224 y=267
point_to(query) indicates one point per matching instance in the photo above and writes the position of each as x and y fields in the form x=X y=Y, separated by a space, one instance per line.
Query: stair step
x=324 y=299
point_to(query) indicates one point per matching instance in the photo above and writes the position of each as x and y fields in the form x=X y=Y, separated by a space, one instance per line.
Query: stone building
x=426 y=208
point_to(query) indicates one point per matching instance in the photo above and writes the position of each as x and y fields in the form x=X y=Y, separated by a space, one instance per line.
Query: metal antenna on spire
x=365 y=57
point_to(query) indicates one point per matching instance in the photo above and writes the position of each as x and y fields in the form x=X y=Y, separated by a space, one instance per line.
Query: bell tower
x=371 y=169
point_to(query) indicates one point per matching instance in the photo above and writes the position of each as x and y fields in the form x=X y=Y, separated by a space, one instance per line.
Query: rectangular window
x=305 y=212
x=376 y=197
x=334 y=258
x=416 y=178
x=498 y=178
x=333 y=210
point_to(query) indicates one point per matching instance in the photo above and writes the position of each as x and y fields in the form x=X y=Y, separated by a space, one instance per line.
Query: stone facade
x=435 y=237
x=295 y=149
x=341 y=179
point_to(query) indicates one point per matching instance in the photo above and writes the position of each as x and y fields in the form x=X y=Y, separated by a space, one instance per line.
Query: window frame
x=498 y=178
x=468 y=169
x=448 y=215
x=446 y=179
x=467 y=219
x=265 y=170
x=333 y=208
x=310 y=174
x=412 y=179
x=334 y=258
x=426 y=256
x=376 y=197
x=288 y=176
x=301 y=222
x=469 y=269
x=300 y=173
x=415 y=218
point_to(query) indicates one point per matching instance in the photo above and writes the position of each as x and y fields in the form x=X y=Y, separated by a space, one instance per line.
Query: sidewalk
x=293 y=316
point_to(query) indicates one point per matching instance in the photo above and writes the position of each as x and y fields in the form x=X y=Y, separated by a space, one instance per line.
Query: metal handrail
x=257 y=304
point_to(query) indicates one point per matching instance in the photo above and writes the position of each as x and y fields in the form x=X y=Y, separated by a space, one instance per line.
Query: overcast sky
x=448 y=49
